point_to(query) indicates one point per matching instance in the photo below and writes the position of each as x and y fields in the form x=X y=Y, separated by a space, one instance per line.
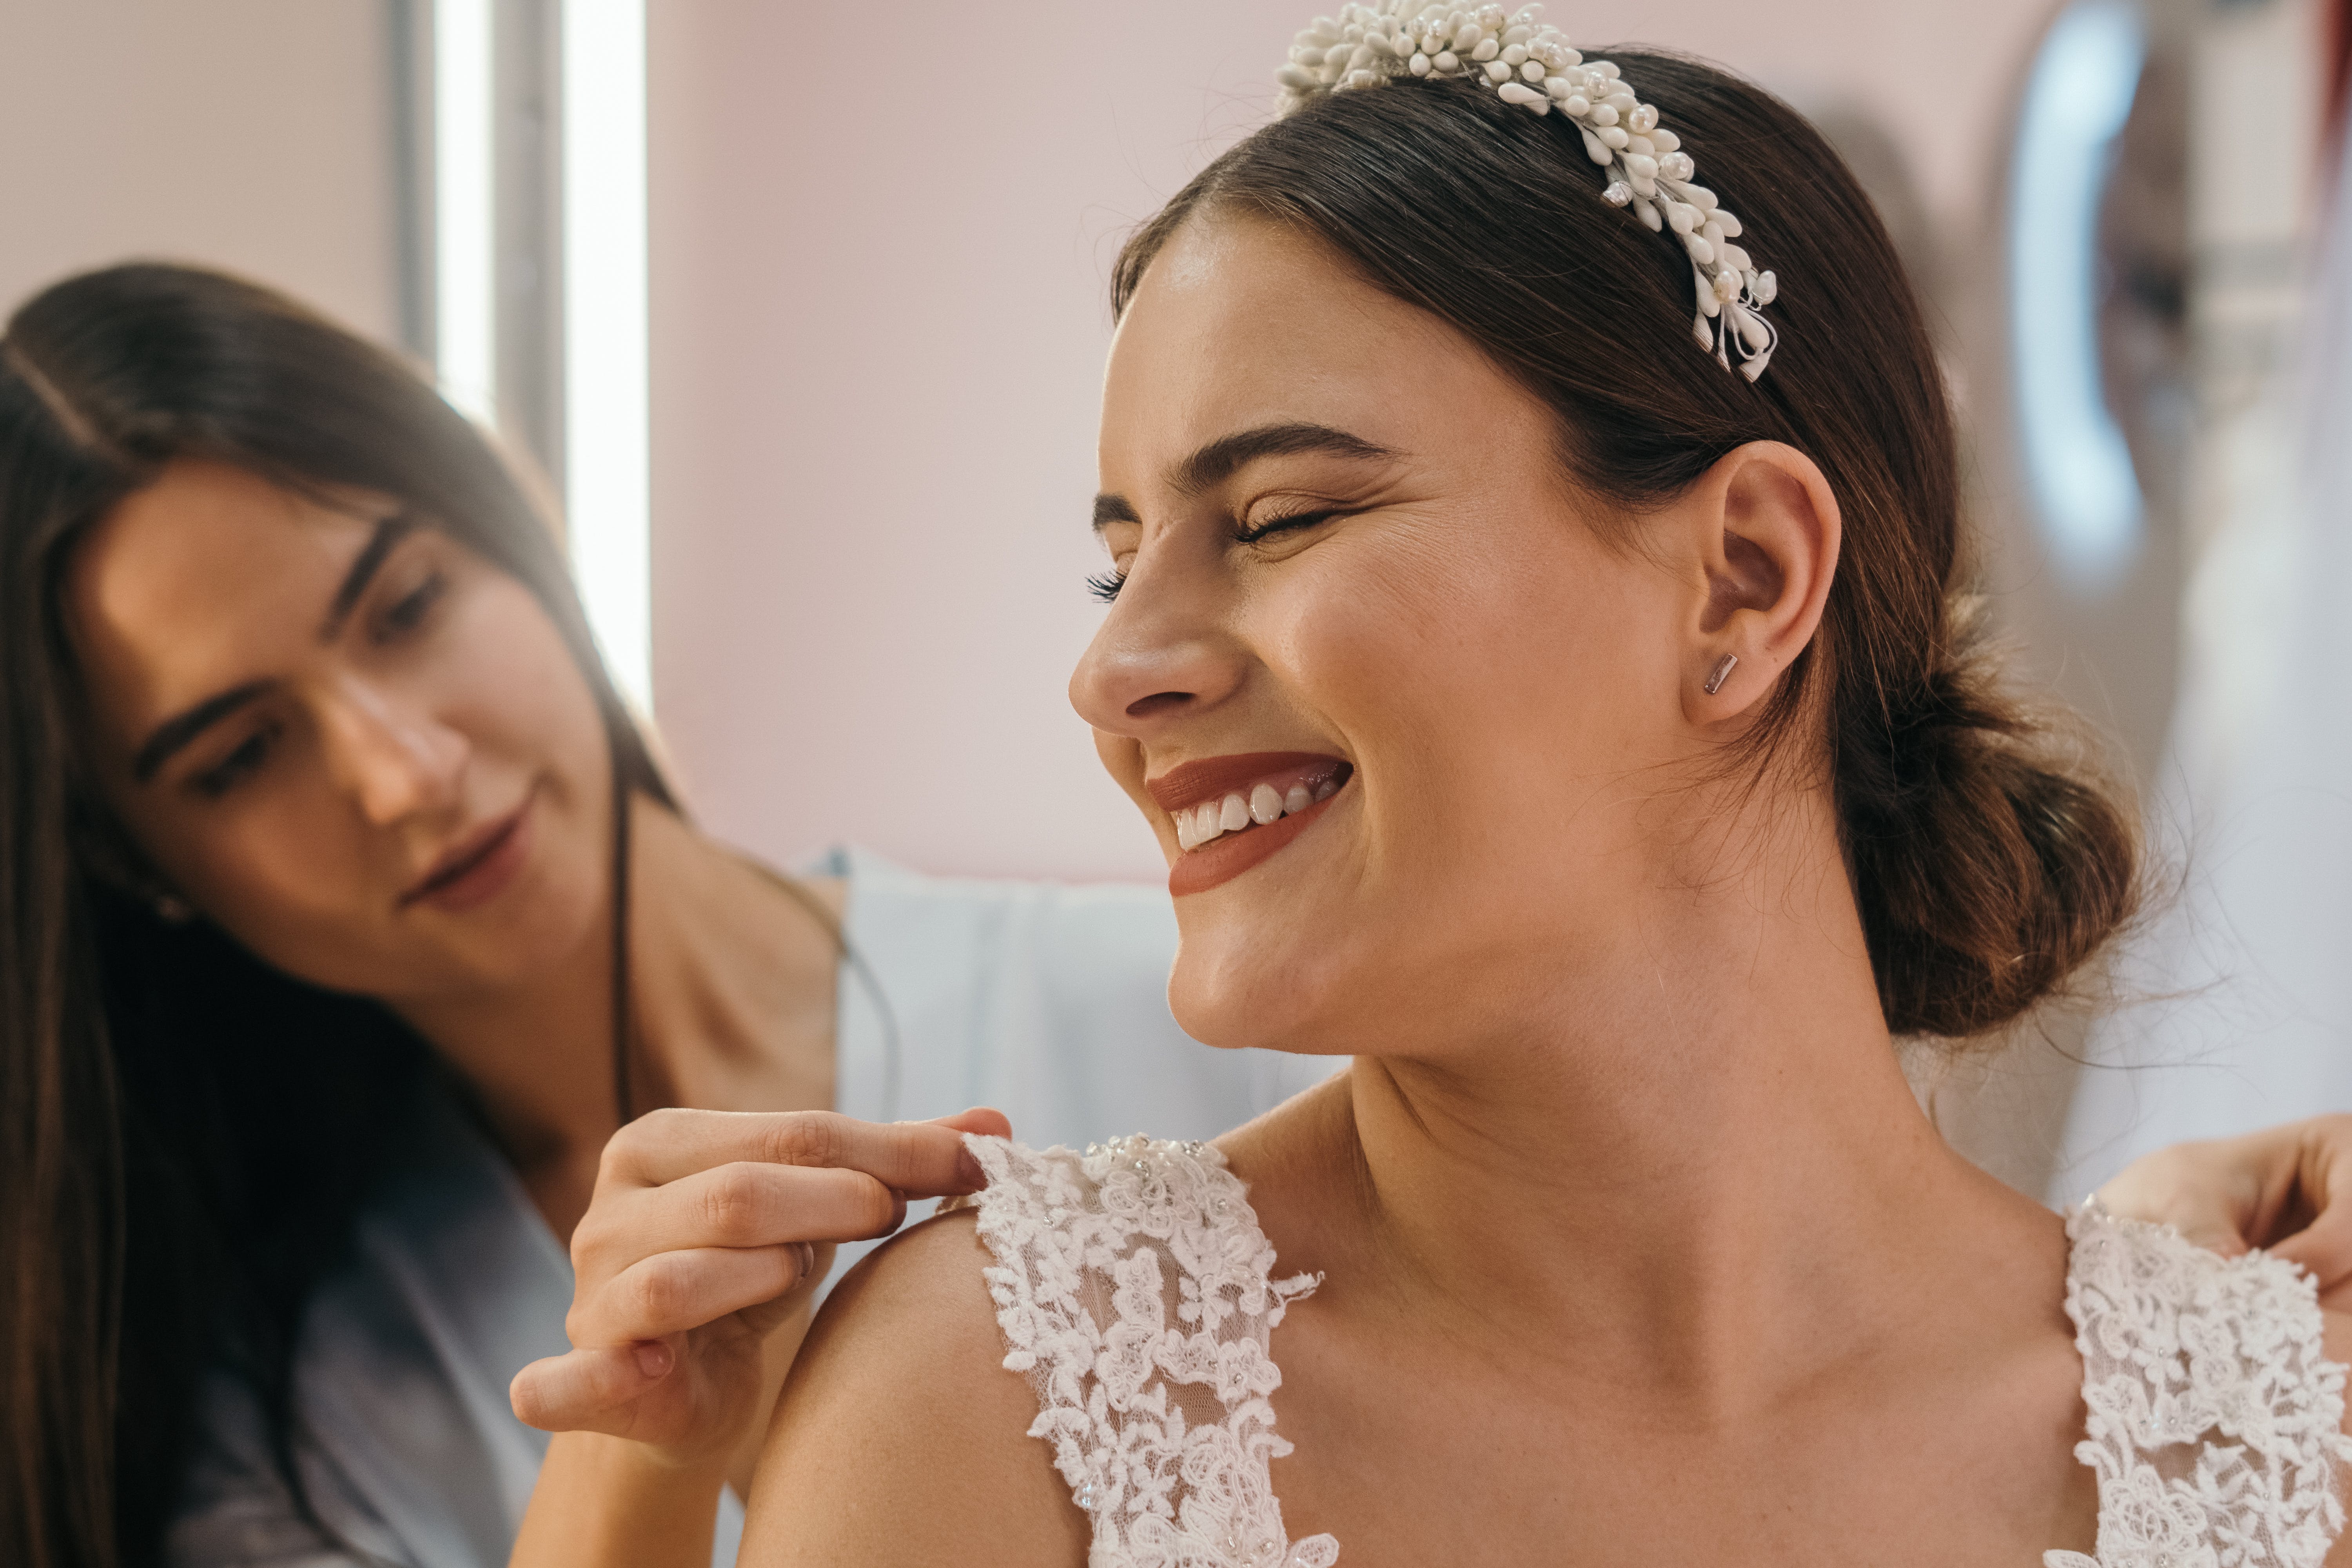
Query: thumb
x=576 y=1391
x=2196 y=1188
x=2325 y=1246
x=2215 y=1230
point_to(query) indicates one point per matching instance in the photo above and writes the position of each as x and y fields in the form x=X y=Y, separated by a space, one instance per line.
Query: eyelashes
x=234 y=769
x=1105 y=585
x=409 y=613
x=405 y=618
x=1286 y=524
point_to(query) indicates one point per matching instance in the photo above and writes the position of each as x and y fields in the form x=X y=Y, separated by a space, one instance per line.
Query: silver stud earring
x=1720 y=673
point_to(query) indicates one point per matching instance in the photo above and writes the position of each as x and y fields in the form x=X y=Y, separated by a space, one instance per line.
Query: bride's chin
x=1232 y=991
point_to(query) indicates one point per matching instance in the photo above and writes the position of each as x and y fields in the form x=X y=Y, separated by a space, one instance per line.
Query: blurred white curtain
x=2234 y=1005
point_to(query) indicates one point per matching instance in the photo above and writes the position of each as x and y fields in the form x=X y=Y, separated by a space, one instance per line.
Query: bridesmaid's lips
x=480 y=869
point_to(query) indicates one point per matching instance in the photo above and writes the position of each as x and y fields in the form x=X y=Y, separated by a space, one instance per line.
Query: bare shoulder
x=899 y=1437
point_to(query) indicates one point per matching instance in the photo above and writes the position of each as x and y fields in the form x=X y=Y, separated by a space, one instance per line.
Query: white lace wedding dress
x=1136 y=1292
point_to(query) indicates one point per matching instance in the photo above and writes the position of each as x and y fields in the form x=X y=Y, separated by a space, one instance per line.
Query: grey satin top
x=1047 y=1002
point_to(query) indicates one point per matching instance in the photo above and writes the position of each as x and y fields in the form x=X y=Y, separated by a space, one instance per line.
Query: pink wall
x=878 y=326
x=252 y=134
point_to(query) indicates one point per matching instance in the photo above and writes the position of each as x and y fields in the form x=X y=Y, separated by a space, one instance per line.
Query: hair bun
x=1991 y=858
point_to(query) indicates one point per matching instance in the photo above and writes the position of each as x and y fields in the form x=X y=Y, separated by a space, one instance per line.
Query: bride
x=1580 y=729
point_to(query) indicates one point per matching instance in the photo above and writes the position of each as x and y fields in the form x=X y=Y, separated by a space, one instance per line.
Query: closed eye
x=1290 y=523
x=407 y=612
x=239 y=765
x=1105 y=585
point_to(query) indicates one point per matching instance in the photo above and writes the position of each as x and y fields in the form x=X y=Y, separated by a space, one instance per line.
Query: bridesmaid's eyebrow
x=388 y=533
x=173 y=735
x=177 y=732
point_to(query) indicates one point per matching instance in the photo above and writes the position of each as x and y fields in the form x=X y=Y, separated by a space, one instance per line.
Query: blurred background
x=808 y=341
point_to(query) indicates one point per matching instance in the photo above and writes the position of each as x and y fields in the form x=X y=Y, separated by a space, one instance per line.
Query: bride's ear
x=1765 y=531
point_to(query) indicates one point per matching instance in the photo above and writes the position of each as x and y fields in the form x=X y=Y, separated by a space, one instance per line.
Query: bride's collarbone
x=1404 y=1455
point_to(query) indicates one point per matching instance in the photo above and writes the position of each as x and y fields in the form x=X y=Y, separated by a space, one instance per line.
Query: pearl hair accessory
x=1527 y=62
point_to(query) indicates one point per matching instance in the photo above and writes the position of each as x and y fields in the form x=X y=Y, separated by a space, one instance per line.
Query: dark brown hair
x=1988 y=862
x=186 y=1134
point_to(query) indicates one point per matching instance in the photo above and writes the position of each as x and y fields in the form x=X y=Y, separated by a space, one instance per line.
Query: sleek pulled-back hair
x=1988 y=863
x=186 y=1134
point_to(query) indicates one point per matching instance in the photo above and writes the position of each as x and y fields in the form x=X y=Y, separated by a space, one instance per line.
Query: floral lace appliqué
x=1135 y=1293
x=2215 y=1417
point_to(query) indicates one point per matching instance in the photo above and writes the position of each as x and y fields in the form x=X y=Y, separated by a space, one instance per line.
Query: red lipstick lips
x=1190 y=783
x=1233 y=812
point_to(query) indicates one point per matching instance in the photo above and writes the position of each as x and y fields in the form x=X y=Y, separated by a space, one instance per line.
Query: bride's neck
x=1701 y=1132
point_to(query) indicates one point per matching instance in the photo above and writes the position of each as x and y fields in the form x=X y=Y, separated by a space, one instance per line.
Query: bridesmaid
x=346 y=912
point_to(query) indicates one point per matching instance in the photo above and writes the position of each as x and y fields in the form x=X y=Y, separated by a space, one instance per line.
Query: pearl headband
x=1529 y=63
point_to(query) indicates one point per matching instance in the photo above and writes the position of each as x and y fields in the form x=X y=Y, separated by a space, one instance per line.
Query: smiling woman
x=176 y=593
x=1648 y=780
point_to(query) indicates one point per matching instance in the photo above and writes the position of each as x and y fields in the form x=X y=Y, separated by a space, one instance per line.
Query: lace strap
x=2216 y=1419
x=1135 y=1292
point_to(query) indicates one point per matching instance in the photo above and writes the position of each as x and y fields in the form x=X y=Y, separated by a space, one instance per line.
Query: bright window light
x=465 y=338
x=607 y=466
x=2076 y=462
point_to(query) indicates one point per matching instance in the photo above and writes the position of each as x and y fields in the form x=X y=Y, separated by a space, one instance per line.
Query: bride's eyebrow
x=1227 y=454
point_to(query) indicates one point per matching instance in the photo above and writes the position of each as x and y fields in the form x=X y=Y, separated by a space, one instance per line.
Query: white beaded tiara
x=1529 y=63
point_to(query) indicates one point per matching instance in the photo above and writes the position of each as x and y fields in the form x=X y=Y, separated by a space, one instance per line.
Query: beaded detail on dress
x=2215 y=1417
x=1134 y=1289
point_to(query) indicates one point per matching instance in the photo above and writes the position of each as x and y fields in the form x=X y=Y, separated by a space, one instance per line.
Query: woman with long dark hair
x=344 y=913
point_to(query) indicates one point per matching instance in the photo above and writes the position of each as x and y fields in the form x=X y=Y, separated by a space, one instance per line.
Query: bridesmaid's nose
x=395 y=760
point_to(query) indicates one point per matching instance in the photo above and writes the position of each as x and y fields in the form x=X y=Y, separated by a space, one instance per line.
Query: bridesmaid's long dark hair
x=186 y=1134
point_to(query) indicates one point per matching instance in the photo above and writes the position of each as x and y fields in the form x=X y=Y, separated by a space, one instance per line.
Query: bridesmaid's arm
x=606 y=1502
x=693 y=1268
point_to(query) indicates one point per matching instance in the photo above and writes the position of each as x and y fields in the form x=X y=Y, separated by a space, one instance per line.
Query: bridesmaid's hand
x=707 y=1232
x=2287 y=1189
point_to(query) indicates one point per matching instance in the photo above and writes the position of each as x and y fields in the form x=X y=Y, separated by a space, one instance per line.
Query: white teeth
x=1264 y=804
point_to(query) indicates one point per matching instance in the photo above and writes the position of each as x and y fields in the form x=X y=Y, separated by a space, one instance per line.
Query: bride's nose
x=1161 y=656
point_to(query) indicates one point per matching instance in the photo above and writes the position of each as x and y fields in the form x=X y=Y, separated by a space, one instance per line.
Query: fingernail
x=968 y=1171
x=653 y=1358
